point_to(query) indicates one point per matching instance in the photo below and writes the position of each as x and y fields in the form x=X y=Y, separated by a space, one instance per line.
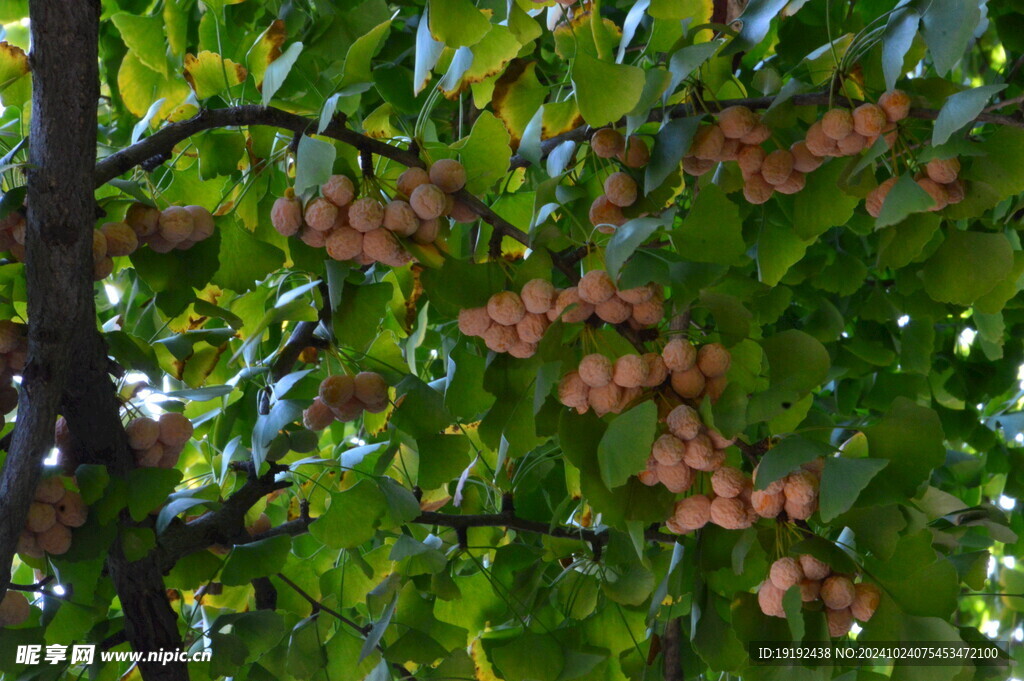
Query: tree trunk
x=67 y=361
x=58 y=239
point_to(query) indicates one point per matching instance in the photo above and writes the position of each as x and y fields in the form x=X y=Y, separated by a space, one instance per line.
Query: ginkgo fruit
x=448 y=174
x=595 y=287
x=410 y=179
x=896 y=105
x=14 y=609
x=339 y=190
x=635 y=154
x=365 y=214
x=175 y=224
x=400 y=218
x=428 y=201
x=596 y=370
x=869 y=120
x=736 y=121
x=506 y=308
x=621 y=189
x=344 y=243
x=607 y=143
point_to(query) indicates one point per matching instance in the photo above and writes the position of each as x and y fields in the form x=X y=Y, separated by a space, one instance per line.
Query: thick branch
x=221 y=526
x=460 y=522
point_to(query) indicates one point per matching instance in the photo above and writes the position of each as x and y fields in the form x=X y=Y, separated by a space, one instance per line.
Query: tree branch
x=222 y=526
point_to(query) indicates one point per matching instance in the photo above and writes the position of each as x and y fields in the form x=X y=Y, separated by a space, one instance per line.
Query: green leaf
x=353 y=516
x=626 y=445
x=896 y=41
x=842 y=482
x=442 y=458
x=756 y=19
x=632 y=587
x=688 y=59
x=219 y=153
x=626 y=240
x=605 y=92
x=485 y=153
x=732 y=320
x=821 y=204
x=910 y=437
x=144 y=36
x=251 y=259
x=788 y=456
x=948 y=27
x=314 y=163
x=967 y=266
x=278 y=70
x=148 y=488
x=1001 y=168
x=778 y=249
x=530 y=657
x=670 y=144
x=92 y=482
x=457 y=23
x=357 y=316
x=713 y=231
x=901 y=244
x=358 y=60
x=137 y=542
x=960 y=109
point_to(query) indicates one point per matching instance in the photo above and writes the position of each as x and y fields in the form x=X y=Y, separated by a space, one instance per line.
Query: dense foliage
x=844 y=317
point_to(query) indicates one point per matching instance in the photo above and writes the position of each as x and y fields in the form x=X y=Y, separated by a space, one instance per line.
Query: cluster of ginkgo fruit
x=739 y=135
x=158 y=443
x=53 y=512
x=367 y=230
x=621 y=189
x=609 y=386
x=843 y=597
x=515 y=322
x=796 y=494
x=175 y=227
x=13 y=354
x=344 y=397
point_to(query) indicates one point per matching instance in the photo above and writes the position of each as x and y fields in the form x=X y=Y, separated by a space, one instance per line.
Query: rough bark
x=58 y=241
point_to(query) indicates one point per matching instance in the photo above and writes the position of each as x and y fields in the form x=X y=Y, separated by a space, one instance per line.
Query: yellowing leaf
x=265 y=50
x=490 y=55
x=378 y=123
x=697 y=11
x=13 y=64
x=560 y=117
x=144 y=36
x=140 y=86
x=209 y=74
x=577 y=37
x=517 y=95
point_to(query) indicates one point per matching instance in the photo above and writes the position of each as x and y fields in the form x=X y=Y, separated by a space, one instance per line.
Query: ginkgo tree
x=509 y=340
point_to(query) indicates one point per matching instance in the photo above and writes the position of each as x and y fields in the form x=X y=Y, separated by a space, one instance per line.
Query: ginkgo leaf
x=209 y=74
x=13 y=64
x=265 y=50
